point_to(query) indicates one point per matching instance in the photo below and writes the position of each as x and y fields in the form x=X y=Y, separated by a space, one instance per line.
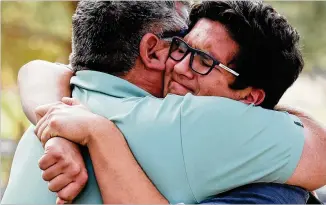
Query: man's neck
x=146 y=79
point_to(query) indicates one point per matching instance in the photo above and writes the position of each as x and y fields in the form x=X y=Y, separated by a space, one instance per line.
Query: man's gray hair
x=106 y=34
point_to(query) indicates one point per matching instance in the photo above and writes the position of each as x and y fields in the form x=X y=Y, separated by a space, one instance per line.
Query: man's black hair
x=269 y=56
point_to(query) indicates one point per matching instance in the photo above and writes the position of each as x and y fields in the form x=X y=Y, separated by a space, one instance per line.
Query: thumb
x=70 y=101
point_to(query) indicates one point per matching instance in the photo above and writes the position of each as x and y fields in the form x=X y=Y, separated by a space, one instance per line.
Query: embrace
x=167 y=102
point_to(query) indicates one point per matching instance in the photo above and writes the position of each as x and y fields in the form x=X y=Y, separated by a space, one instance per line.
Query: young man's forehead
x=199 y=41
x=213 y=38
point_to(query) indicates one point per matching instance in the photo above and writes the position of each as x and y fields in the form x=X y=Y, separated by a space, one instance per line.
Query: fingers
x=40 y=126
x=51 y=172
x=47 y=161
x=45 y=135
x=70 y=101
x=71 y=171
x=43 y=112
x=40 y=111
x=70 y=192
x=49 y=132
x=59 y=183
x=47 y=127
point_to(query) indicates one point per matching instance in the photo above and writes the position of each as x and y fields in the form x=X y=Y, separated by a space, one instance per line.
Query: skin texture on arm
x=120 y=178
x=310 y=172
x=42 y=82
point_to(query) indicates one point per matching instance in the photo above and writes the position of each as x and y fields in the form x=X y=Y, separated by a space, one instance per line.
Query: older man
x=160 y=18
x=209 y=115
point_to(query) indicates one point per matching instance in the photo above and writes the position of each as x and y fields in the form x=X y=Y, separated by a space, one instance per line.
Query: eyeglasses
x=168 y=35
x=200 y=62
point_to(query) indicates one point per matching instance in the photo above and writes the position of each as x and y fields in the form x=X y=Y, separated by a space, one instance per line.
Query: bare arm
x=311 y=170
x=120 y=178
x=40 y=83
x=309 y=174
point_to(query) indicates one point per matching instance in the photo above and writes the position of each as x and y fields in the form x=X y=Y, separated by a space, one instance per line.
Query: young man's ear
x=152 y=52
x=254 y=96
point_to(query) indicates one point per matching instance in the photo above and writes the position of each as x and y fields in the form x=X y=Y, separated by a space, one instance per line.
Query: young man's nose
x=183 y=67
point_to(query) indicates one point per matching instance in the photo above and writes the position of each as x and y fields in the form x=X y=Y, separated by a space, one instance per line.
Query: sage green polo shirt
x=190 y=147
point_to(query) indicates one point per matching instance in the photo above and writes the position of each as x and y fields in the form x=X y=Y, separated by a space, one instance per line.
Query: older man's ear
x=153 y=52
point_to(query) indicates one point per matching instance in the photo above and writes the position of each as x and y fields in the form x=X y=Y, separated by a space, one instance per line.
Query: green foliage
x=34 y=30
x=29 y=31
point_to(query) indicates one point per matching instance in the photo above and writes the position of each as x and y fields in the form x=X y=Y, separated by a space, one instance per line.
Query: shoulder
x=189 y=106
x=215 y=110
x=211 y=106
x=154 y=110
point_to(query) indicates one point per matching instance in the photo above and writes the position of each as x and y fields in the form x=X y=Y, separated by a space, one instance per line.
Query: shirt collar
x=107 y=84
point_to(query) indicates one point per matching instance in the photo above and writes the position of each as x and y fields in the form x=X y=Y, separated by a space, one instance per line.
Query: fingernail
x=60 y=201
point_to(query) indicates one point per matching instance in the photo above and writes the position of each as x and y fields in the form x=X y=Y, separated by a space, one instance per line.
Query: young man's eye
x=206 y=62
x=181 y=50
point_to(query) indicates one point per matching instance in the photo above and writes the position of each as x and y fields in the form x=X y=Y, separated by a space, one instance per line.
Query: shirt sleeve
x=227 y=144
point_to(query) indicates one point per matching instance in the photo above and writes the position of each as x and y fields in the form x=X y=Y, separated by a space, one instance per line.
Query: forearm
x=120 y=178
x=42 y=82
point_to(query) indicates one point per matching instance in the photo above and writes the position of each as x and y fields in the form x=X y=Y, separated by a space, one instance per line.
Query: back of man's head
x=106 y=34
x=269 y=57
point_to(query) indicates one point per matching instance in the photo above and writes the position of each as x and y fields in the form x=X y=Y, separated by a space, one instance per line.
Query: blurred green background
x=42 y=30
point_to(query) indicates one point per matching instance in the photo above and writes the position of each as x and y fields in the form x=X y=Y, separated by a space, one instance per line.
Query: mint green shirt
x=190 y=147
